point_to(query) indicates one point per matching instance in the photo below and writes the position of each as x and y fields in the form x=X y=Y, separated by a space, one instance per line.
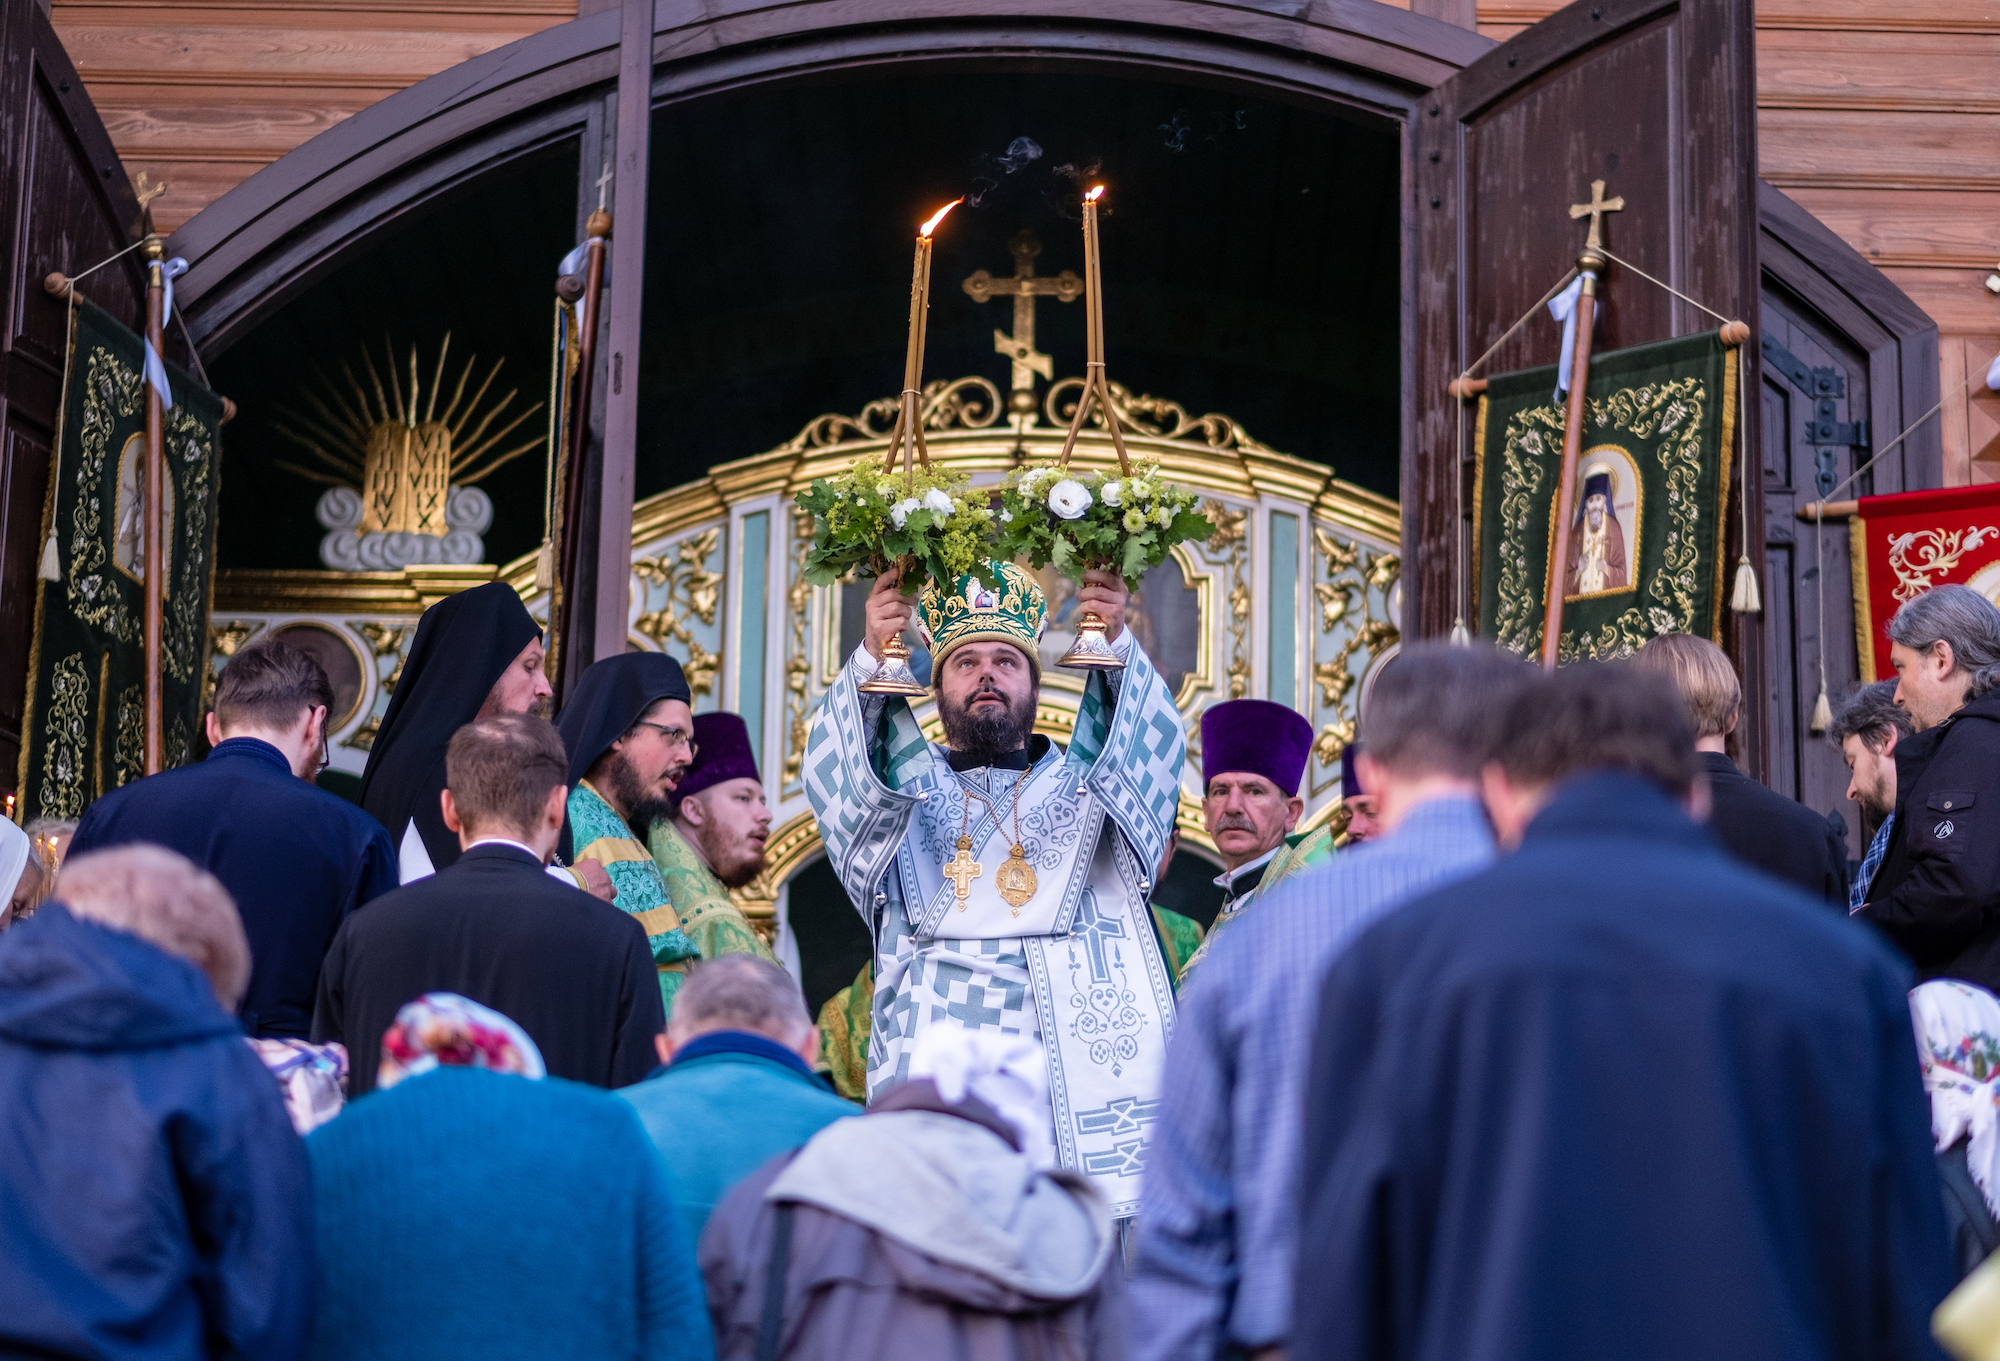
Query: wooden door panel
x=1656 y=98
x=24 y=483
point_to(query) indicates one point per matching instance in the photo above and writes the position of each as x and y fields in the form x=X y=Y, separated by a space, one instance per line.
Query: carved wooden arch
x=297 y=219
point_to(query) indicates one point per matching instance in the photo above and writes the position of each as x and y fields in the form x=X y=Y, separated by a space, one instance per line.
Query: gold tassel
x=1459 y=637
x=545 y=567
x=1746 y=599
x=1822 y=714
x=51 y=568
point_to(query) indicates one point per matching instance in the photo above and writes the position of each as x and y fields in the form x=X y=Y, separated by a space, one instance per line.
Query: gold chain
x=965 y=826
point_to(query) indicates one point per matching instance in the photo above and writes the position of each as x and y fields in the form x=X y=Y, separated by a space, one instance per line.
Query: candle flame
x=931 y=226
x=1094 y=194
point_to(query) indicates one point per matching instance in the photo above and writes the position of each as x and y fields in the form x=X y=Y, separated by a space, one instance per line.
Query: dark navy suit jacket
x=296 y=859
x=1617 y=1096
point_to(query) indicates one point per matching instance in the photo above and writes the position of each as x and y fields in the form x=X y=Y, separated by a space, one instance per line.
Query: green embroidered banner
x=86 y=684
x=1648 y=528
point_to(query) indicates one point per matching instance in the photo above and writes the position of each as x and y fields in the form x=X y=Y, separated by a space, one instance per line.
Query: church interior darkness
x=1252 y=267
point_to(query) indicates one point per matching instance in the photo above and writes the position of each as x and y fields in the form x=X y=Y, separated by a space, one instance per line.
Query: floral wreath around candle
x=868 y=519
x=1078 y=520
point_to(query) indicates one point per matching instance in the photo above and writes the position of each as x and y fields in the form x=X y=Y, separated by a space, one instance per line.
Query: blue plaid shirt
x=1215 y=1246
x=1857 y=892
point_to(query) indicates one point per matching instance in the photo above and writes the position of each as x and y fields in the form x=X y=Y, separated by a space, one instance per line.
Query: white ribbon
x=156 y=369
x=1563 y=308
x=574 y=261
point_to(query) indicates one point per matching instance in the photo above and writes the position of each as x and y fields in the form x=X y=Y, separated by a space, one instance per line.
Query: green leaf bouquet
x=869 y=519
x=1115 y=521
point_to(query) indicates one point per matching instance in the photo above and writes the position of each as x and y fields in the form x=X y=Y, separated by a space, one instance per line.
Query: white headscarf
x=1008 y=1072
x=1958 y=1042
x=15 y=848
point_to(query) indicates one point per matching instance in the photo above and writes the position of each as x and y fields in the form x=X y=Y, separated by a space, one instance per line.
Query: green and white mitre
x=1076 y=963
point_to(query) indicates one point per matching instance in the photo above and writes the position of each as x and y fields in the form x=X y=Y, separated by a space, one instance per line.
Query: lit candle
x=920 y=299
x=1093 y=285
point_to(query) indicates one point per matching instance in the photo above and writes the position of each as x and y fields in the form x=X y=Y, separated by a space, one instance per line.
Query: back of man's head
x=268 y=685
x=162 y=897
x=1960 y=617
x=1701 y=672
x=500 y=771
x=1871 y=714
x=739 y=992
x=1598 y=716
x=1433 y=710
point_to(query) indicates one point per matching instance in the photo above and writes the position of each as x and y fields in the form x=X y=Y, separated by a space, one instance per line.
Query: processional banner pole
x=597 y=230
x=1590 y=266
x=154 y=522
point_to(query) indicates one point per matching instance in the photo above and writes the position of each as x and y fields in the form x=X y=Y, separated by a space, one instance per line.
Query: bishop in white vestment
x=1005 y=879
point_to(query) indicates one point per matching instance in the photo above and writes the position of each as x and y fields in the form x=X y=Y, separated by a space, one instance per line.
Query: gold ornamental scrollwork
x=1232 y=538
x=1152 y=416
x=693 y=592
x=1918 y=556
x=384 y=640
x=962 y=404
x=223 y=642
x=65 y=759
x=1356 y=577
x=798 y=664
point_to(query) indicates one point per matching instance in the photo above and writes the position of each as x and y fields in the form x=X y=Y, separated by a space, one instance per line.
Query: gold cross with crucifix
x=1025 y=288
x=1595 y=211
x=962 y=869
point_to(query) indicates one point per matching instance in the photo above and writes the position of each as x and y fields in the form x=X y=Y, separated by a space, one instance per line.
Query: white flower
x=1069 y=499
x=1030 y=480
x=1163 y=517
x=937 y=501
x=1110 y=493
x=1135 y=520
x=901 y=510
x=1006 y=517
x=1142 y=489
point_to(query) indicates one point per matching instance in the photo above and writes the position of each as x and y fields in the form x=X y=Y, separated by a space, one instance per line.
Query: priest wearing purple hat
x=713 y=839
x=1253 y=758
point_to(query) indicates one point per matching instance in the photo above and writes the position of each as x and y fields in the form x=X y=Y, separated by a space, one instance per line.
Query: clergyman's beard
x=642 y=806
x=986 y=735
x=733 y=872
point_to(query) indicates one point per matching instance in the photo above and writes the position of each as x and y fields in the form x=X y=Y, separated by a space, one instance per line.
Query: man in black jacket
x=574 y=972
x=1757 y=826
x=1937 y=895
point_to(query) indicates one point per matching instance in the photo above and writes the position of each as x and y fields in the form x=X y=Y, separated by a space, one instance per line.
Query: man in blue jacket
x=154 y=1202
x=738 y=1086
x=295 y=858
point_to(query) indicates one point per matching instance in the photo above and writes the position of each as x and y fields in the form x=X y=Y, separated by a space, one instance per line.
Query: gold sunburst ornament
x=387 y=441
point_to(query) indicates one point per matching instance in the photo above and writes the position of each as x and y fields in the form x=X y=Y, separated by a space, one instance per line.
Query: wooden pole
x=1579 y=375
x=598 y=224
x=154 y=520
x=613 y=601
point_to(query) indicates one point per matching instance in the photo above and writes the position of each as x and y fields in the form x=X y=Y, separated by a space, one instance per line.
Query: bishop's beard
x=987 y=735
x=643 y=807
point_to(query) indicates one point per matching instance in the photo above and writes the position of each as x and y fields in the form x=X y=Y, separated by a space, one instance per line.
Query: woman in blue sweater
x=474 y=1208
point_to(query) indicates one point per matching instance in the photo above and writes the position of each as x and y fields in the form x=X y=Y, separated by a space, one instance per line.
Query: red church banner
x=1905 y=544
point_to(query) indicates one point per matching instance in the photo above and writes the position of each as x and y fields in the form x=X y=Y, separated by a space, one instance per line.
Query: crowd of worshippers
x=1561 y=1037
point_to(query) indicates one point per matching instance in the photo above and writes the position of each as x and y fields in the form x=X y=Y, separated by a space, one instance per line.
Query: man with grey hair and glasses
x=1937 y=894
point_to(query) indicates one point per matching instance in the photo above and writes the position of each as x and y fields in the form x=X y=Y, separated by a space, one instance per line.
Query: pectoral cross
x=1025 y=288
x=1595 y=210
x=962 y=869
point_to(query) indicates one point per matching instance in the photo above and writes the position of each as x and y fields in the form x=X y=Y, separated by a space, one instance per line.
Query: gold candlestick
x=1092 y=650
x=894 y=676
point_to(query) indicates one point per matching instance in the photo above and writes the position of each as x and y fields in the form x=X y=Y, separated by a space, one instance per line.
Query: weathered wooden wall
x=203 y=95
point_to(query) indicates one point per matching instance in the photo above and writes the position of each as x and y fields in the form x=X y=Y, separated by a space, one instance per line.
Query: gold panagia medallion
x=1015 y=880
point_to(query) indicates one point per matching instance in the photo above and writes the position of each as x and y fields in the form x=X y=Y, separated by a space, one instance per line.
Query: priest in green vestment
x=714 y=840
x=630 y=738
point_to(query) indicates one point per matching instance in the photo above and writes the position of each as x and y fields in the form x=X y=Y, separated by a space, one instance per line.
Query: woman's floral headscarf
x=444 y=1028
x=1958 y=1043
